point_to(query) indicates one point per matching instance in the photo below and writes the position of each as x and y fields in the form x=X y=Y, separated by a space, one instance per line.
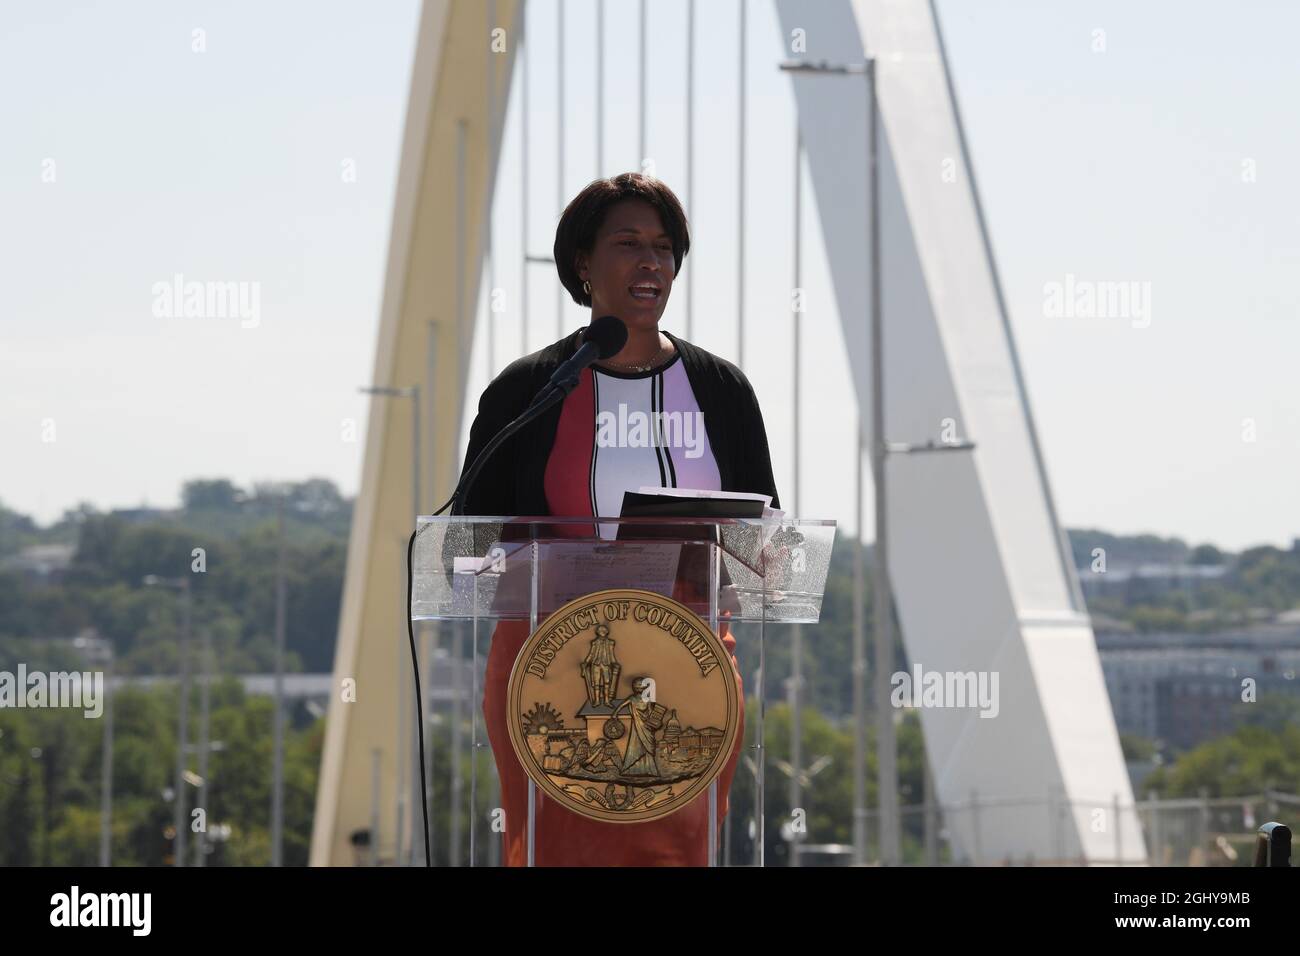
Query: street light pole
x=796 y=631
x=415 y=851
x=106 y=772
x=205 y=709
x=885 y=745
x=182 y=731
x=881 y=449
x=417 y=779
x=99 y=652
x=178 y=847
x=859 y=665
x=277 y=788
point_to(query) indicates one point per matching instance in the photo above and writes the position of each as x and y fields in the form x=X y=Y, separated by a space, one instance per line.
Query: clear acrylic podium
x=472 y=572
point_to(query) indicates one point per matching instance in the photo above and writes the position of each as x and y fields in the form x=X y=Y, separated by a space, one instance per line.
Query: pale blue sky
x=226 y=165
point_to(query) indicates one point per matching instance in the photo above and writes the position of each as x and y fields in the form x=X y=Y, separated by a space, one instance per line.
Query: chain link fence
x=1188 y=831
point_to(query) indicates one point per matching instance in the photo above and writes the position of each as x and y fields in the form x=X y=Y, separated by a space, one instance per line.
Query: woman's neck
x=643 y=345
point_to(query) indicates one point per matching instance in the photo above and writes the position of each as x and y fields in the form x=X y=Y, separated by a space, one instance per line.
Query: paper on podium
x=702 y=494
x=706 y=493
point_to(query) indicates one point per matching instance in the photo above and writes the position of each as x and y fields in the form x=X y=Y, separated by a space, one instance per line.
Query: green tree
x=1237 y=764
x=211 y=495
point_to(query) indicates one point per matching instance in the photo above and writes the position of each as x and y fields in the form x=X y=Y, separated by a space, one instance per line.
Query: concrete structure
x=445 y=183
x=982 y=575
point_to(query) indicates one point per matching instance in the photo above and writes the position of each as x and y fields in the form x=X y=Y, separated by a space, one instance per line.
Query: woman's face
x=631 y=249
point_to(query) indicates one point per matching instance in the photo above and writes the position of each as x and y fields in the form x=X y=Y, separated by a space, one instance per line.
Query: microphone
x=603 y=339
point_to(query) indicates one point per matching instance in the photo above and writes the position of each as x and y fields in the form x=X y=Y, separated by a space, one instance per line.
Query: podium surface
x=607 y=744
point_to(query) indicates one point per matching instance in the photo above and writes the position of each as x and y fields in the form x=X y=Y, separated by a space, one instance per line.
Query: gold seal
x=623 y=706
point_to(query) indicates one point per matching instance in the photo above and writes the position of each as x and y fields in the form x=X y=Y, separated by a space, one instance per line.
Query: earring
x=586 y=286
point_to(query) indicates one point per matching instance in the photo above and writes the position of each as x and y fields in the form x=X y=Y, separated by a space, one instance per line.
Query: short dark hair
x=586 y=212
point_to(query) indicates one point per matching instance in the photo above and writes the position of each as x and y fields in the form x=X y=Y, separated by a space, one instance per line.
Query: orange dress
x=587 y=475
x=564 y=838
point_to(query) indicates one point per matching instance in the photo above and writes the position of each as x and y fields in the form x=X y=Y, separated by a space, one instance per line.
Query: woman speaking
x=618 y=247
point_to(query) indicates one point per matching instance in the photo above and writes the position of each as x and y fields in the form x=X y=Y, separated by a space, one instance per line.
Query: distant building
x=316 y=687
x=704 y=740
x=1185 y=689
x=142 y=515
x=1147 y=578
x=673 y=731
x=41 y=563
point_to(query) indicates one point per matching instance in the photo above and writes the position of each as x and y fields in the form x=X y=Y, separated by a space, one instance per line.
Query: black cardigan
x=511 y=482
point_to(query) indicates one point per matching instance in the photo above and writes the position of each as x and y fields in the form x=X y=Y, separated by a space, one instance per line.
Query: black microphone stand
x=553 y=393
x=540 y=404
